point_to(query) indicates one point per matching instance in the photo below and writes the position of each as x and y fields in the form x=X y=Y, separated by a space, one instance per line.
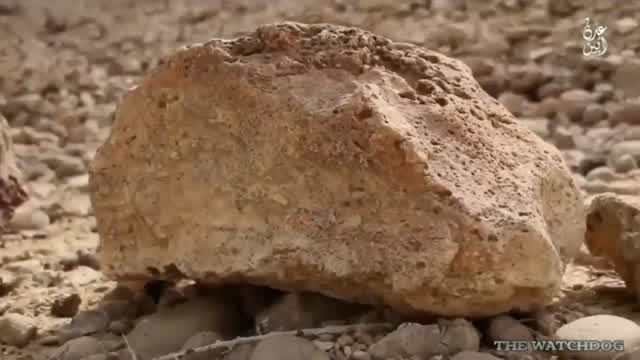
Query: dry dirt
x=64 y=65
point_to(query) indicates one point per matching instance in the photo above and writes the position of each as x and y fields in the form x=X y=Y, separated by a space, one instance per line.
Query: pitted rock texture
x=613 y=232
x=12 y=192
x=329 y=159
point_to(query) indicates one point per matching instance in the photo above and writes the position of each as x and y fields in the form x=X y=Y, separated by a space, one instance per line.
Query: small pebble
x=88 y=259
x=564 y=139
x=326 y=337
x=364 y=338
x=360 y=355
x=120 y=327
x=359 y=346
x=624 y=163
x=67 y=306
x=593 y=114
x=345 y=340
x=347 y=350
x=50 y=340
x=602 y=173
x=29 y=217
x=8 y=282
x=324 y=345
x=64 y=165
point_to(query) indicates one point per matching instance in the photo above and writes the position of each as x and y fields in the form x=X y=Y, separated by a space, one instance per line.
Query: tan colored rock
x=328 y=159
x=622 y=184
x=613 y=232
x=12 y=193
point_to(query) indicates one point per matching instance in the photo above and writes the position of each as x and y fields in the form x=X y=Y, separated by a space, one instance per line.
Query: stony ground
x=65 y=64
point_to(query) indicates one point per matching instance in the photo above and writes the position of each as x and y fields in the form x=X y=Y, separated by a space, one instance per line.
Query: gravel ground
x=65 y=64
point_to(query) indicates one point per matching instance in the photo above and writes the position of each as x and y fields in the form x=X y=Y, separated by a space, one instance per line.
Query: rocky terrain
x=65 y=67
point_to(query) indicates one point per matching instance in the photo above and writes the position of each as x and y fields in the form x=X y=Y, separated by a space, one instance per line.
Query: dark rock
x=67 y=306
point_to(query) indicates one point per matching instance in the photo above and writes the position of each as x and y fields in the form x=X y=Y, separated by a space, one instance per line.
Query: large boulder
x=12 y=192
x=330 y=159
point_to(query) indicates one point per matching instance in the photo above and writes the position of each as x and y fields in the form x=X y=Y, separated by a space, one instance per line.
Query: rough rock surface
x=12 y=193
x=333 y=160
x=613 y=231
